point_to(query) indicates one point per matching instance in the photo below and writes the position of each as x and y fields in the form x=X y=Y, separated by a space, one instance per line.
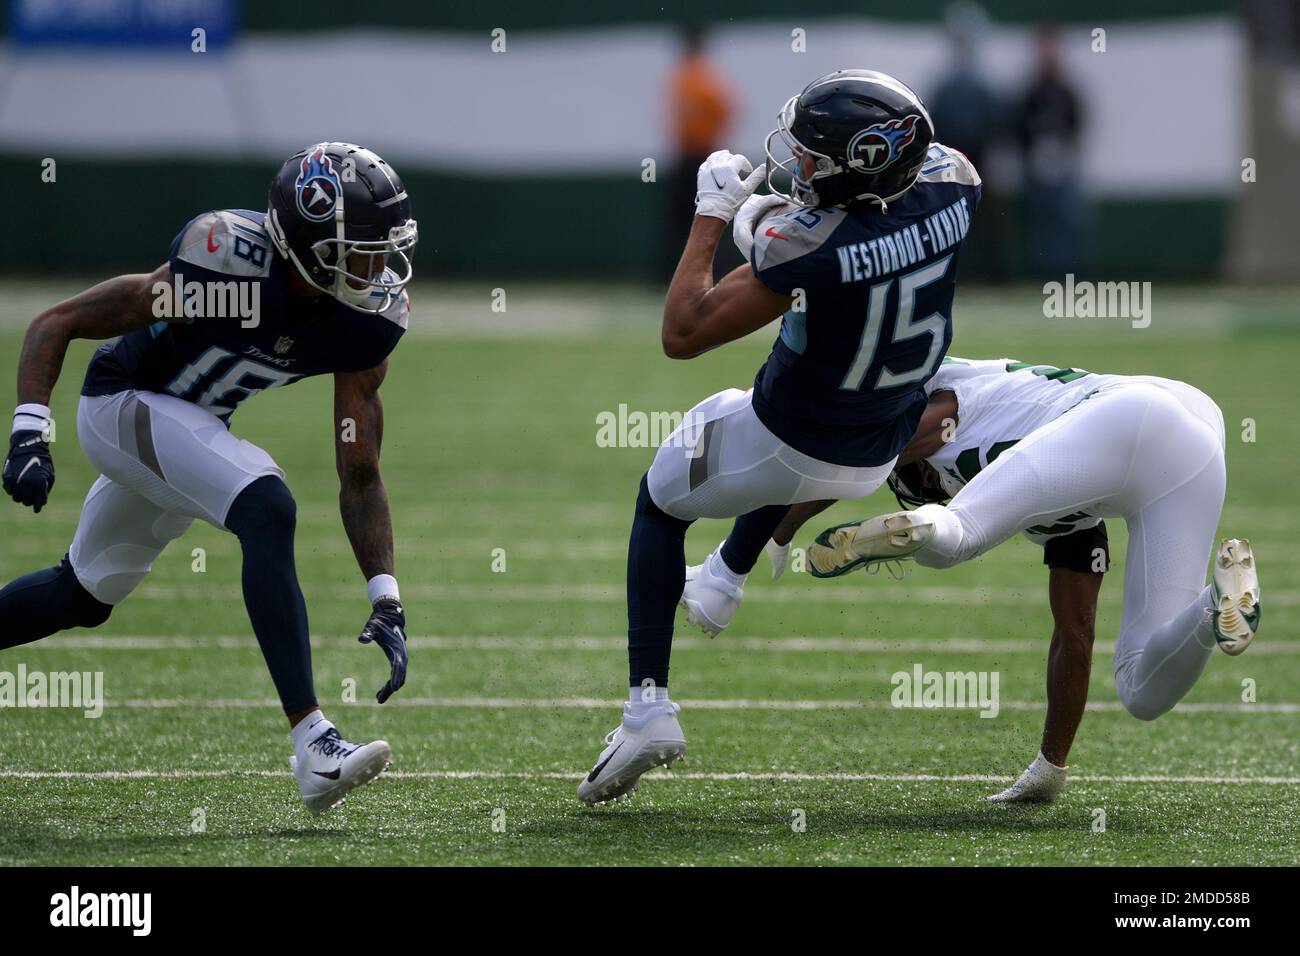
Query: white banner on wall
x=1165 y=102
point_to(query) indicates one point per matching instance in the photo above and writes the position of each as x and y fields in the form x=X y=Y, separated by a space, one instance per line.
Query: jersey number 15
x=904 y=328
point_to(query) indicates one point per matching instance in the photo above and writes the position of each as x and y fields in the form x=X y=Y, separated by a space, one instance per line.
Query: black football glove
x=28 y=474
x=387 y=628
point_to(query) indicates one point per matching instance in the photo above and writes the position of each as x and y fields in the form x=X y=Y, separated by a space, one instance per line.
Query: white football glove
x=780 y=555
x=1041 y=783
x=724 y=182
x=752 y=212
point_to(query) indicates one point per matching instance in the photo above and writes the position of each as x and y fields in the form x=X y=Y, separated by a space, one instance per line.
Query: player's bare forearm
x=363 y=499
x=938 y=425
x=1069 y=664
x=369 y=525
x=796 y=518
x=693 y=277
x=698 y=315
x=103 y=311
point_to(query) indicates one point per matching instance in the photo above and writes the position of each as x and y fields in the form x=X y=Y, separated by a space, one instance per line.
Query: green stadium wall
x=583 y=227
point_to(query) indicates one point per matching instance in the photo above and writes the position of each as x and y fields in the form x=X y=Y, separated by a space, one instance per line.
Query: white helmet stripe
x=380 y=165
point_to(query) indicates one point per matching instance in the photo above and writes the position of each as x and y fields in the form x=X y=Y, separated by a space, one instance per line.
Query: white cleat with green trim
x=1235 y=595
x=857 y=544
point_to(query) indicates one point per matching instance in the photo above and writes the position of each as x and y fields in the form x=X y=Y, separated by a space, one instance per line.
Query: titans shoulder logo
x=317 y=186
x=872 y=149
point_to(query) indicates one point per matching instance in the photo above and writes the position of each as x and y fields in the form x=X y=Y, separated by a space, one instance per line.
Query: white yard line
x=601 y=703
x=868 y=594
x=687 y=641
x=656 y=775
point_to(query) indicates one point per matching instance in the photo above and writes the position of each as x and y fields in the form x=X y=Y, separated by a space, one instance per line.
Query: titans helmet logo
x=317 y=186
x=874 y=148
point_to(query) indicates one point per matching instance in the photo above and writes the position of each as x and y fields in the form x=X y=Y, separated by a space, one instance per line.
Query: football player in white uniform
x=1050 y=452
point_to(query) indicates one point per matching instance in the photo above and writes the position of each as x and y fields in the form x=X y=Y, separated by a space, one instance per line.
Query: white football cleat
x=843 y=548
x=1041 y=783
x=639 y=743
x=1235 y=596
x=329 y=768
x=710 y=601
x=779 y=555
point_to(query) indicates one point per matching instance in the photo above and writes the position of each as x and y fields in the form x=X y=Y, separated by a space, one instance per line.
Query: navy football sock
x=263 y=517
x=656 y=574
x=749 y=536
x=46 y=602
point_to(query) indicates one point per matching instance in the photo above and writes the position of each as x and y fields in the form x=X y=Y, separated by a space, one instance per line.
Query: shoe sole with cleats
x=1236 y=610
x=857 y=544
x=696 y=617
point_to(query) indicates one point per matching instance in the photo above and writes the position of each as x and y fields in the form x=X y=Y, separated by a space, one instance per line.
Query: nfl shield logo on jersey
x=317 y=186
x=283 y=344
x=877 y=146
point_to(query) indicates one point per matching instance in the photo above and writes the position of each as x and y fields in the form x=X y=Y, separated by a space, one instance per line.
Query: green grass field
x=491 y=444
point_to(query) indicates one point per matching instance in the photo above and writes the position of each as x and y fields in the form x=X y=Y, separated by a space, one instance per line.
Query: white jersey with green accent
x=999 y=402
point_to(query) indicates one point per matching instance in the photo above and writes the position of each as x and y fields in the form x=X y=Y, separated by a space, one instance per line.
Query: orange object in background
x=701 y=105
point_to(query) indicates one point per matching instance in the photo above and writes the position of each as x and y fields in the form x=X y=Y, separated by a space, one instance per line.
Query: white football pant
x=163 y=462
x=1150 y=454
x=722 y=462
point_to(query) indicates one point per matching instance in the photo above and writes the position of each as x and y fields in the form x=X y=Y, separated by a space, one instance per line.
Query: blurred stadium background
x=528 y=172
x=529 y=161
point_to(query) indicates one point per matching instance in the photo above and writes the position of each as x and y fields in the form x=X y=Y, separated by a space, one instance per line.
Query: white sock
x=948 y=534
x=639 y=695
x=308 y=729
x=641 y=699
x=1043 y=765
x=718 y=568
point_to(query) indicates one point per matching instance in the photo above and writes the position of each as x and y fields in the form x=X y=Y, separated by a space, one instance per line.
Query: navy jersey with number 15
x=845 y=380
x=217 y=362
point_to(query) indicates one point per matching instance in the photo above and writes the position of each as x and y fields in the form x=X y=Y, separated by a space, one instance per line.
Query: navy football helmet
x=854 y=136
x=341 y=215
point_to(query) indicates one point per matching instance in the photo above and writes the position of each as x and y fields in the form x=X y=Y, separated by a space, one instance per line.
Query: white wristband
x=382 y=586
x=31 y=418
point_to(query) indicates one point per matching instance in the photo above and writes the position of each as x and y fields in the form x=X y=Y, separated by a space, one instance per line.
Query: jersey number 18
x=237 y=380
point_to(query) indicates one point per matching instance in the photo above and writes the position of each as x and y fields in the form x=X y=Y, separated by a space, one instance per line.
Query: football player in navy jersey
x=859 y=258
x=246 y=301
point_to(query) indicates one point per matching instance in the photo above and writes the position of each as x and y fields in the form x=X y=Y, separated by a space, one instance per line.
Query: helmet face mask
x=802 y=191
x=916 y=484
x=866 y=134
x=354 y=285
x=341 y=215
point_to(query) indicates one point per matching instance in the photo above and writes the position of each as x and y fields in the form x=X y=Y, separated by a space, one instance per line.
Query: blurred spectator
x=968 y=116
x=1048 y=124
x=701 y=111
